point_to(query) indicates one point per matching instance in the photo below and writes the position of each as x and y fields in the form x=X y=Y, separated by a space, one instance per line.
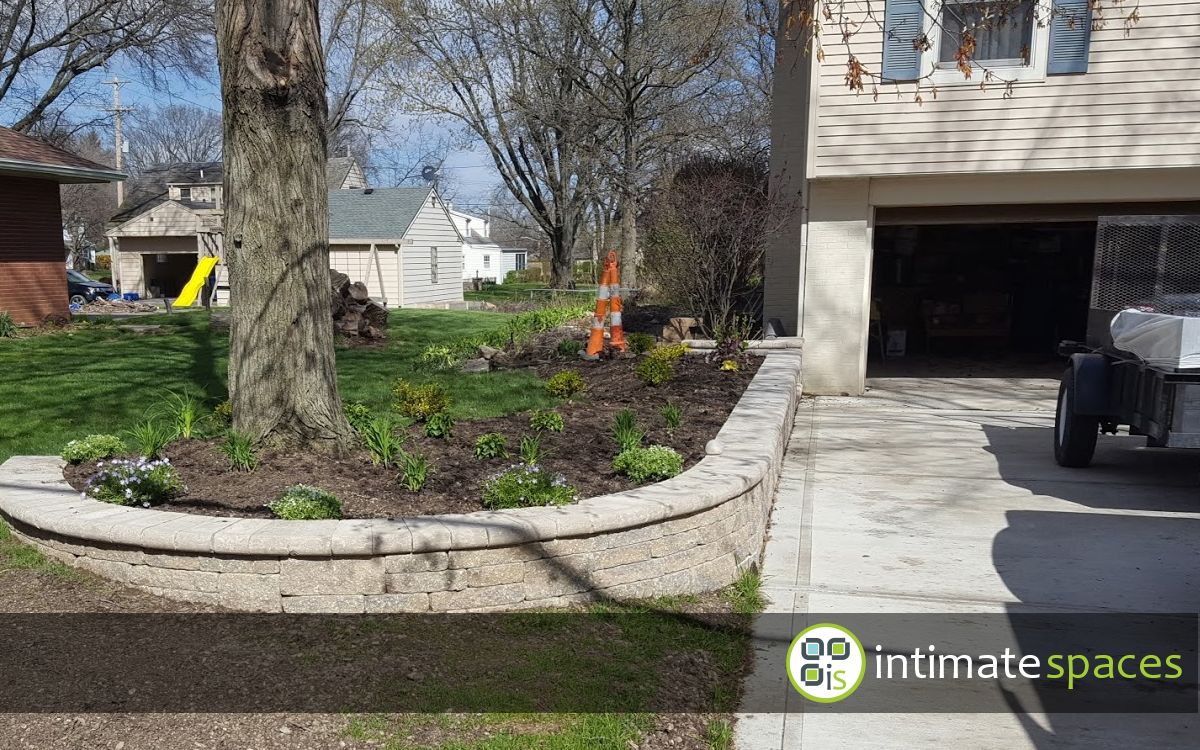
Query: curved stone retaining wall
x=690 y=534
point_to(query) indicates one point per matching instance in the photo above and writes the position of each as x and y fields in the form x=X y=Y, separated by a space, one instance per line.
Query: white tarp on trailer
x=1161 y=340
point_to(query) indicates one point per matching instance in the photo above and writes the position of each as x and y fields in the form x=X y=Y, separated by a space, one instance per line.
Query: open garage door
x=963 y=299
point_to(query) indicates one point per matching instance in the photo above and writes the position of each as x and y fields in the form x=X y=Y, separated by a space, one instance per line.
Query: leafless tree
x=86 y=208
x=173 y=134
x=504 y=69
x=644 y=61
x=706 y=237
x=46 y=45
x=282 y=379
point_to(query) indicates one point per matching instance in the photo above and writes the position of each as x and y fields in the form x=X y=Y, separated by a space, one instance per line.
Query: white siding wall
x=473 y=265
x=432 y=228
x=132 y=250
x=355 y=261
x=508 y=262
x=1138 y=105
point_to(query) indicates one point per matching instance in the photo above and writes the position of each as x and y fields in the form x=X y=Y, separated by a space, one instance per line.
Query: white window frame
x=183 y=197
x=1039 y=50
x=487 y=262
x=433 y=265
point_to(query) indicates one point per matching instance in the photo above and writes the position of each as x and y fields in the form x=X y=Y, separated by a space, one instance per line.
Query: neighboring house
x=400 y=242
x=176 y=217
x=965 y=222
x=33 y=274
x=484 y=258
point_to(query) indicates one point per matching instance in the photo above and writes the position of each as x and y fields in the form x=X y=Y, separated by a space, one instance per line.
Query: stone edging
x=689 y=534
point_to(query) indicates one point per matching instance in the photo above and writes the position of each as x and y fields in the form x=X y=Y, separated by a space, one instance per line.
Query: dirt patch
x=582 y=453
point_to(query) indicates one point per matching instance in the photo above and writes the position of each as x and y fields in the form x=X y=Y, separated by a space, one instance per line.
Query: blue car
x=81 y=289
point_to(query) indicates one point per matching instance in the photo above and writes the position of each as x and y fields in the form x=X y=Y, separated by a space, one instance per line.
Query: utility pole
x=118 y=141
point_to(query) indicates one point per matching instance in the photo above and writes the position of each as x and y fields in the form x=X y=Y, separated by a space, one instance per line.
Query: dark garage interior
x=167 y=273
x=956 y=298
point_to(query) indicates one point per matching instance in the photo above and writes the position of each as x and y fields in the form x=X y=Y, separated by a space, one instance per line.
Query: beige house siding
x=355 y=261
x=1138 y=106
x=432 y=228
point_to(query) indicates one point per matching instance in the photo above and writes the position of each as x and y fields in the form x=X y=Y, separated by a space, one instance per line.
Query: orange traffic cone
x=608 y=296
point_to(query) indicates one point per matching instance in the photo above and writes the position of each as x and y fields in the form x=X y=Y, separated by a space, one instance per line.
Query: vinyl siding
x=1137 y=106
x=355 y=261
x=33 y=271
x=432 y=228
x=473 y=266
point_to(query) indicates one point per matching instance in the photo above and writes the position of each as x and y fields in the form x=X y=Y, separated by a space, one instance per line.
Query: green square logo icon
x=838 y=648
x=811 y=675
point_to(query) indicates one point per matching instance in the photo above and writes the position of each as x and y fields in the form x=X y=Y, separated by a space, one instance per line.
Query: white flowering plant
x=525 y=486
x=139 y=481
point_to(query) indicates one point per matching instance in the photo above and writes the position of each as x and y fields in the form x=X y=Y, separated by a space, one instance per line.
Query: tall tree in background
x=87 y=207
x=505 y=69
x=173 y=134
x=47 y=45
x=644 y=61
x=282 y=379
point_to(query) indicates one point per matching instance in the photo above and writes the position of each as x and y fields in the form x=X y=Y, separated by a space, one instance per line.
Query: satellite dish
x=429 y=173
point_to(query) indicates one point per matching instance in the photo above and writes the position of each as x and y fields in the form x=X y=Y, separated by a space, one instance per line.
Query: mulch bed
x=583 y=452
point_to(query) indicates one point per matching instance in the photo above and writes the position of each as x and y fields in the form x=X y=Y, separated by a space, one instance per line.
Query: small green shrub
x=182 y=411
x=669 y=352
x=569 y=347
x=565 y=384
x=150 y=437
x=222 y=413
x=547 y=421
x=357 y=414
x=240 y=451
x=440 y=425
x=625 y=430
x=531 y=449
x=491 y=445
x=138 y=481
x=672 y=415
x=420 y=402
x=92 y=448
x=653 y=462
x=439 y=357
x=380 y=438
x=526 y=486
x=301 y=502
x=655 y=370
x=640 y=343
x=8 y=329
x=414 y=470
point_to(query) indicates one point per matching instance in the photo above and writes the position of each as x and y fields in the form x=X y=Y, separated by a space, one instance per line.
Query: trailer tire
x=1074 y=434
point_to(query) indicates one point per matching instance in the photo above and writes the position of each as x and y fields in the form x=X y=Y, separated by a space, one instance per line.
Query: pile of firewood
x=354 y=312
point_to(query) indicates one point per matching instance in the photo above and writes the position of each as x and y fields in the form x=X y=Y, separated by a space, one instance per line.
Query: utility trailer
x=1140 y=365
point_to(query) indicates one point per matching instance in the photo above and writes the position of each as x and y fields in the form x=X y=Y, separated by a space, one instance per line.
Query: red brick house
x=33 y=277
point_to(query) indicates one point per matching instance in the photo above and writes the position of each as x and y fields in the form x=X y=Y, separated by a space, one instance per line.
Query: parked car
x=81 y=289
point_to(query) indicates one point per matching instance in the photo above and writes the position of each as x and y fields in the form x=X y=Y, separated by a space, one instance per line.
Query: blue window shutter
x=1070 y=36
x=902 y=23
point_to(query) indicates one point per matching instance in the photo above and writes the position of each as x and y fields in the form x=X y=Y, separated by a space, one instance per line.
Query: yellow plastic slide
x=188 y=296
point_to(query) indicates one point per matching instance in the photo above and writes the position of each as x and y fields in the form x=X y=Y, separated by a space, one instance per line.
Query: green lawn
x=101 y=378
x=526 y=291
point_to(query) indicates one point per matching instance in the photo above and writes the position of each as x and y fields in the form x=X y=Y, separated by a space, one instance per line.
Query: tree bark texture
x=282 y=376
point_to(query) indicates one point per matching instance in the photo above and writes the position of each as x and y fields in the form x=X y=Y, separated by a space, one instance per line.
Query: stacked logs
x=355 y=314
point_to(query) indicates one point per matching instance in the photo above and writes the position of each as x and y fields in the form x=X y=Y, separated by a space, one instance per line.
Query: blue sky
x=469 y=171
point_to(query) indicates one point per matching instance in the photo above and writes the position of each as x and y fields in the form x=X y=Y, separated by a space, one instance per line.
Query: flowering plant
x=140 y=481
x=526 y=485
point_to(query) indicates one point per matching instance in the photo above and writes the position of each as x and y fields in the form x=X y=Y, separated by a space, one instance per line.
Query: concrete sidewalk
x=942 y=495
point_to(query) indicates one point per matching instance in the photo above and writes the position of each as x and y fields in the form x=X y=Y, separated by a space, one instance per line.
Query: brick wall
x=33 y=281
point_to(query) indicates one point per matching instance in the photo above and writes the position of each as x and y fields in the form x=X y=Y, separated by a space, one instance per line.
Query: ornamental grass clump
x=652 y=463
x=139 y=481
x=92 y=448
x=301 y=502
x=526 y=486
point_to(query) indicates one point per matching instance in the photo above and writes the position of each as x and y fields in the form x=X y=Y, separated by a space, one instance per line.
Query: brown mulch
x=583 y=452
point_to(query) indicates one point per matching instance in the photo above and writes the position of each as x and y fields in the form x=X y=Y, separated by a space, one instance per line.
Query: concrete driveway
x=942 y=495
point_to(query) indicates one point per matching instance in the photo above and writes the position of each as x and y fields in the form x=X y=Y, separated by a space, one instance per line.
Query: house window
x=520 y=264
x=433 y=265
x=1003 y=38
x=185 y=194
x=487 y=261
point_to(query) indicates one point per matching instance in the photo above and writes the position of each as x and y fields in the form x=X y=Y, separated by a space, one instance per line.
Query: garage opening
x=978 y=299
x=167 y=273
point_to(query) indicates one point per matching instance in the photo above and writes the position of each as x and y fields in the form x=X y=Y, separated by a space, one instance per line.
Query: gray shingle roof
x=336 y=169
x=374 y=214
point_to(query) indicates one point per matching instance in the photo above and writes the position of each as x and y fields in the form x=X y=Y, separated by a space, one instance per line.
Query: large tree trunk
x=282 y=379
x=629 y=210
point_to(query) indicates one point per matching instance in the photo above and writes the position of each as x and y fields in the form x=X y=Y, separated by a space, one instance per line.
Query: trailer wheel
x=1074 y=434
